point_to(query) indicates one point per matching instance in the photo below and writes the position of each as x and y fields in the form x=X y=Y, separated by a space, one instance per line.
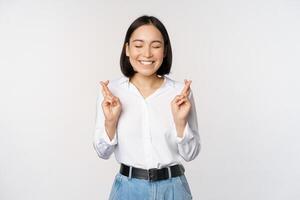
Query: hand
x=181 y=104
x=111 y=104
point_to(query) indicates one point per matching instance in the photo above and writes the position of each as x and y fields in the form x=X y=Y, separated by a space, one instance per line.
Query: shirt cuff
x=187 y=135
x=107 y=140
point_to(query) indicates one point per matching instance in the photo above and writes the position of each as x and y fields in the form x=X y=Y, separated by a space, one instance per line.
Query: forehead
x=146 y=33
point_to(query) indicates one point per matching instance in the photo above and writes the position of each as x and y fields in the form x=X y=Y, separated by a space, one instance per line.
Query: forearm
x=180 y=125
x=110 y=127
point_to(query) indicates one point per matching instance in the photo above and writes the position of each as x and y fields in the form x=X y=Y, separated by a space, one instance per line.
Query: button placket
x=146 y=135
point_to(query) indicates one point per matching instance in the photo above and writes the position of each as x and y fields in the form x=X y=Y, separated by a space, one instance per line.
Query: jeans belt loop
x=130 y=172
x=169 y=172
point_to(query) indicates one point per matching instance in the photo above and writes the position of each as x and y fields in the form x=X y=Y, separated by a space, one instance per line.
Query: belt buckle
x=152 y=174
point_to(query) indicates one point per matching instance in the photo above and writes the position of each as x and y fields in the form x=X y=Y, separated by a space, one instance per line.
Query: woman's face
x=145 y=50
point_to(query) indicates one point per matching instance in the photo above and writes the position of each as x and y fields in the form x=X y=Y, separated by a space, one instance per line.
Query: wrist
x=110 y=123
x=180 y=122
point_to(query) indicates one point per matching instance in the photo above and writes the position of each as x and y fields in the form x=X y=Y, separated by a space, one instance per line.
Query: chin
x=146 y=73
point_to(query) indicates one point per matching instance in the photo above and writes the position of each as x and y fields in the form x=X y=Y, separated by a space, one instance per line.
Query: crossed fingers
x=183 y=96
x=186 y=90
x=105 y=90
x=108 y=96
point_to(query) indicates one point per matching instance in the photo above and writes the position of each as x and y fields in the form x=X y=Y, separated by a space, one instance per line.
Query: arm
x=103 y=145
x=189 y=143
x=107 y=116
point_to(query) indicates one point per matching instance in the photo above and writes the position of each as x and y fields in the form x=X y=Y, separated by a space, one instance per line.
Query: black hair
x=165 y=67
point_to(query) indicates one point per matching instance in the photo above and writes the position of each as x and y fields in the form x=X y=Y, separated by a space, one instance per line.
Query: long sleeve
x=102 y=144
x=189 y=144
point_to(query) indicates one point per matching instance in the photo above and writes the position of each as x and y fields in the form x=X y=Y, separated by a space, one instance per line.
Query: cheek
x=159 y=53
x=134 y=53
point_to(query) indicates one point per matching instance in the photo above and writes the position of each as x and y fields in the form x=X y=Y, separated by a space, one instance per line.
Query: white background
x=243 y=59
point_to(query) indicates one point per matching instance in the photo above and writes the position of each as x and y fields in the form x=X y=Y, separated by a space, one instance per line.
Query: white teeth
x=146 y=62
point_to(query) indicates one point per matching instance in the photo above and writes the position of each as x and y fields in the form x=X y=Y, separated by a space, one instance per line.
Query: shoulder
x=116 y=82
x=175 y=84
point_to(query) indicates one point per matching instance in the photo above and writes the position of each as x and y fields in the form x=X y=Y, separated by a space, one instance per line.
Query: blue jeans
x=125 y=188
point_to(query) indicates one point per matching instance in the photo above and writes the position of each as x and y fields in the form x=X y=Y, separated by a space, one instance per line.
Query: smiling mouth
x=144 y=62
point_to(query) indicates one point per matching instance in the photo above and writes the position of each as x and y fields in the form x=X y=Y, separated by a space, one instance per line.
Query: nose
x=147 y=52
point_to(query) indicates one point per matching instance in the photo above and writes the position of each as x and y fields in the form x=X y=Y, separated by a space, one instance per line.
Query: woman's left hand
x=181 y=105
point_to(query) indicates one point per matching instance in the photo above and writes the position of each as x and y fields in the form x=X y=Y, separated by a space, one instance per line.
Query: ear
x=127 y=49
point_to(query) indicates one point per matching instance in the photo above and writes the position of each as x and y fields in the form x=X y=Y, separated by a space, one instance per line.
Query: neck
x=146 y=82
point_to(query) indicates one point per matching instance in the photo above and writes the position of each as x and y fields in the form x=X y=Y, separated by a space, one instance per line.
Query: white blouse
x=146 y=135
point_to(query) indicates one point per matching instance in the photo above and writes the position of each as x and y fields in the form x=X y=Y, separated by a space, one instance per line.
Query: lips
x=146 y=62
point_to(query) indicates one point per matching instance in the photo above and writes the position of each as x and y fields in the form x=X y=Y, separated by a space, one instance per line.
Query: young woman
x=146 y=119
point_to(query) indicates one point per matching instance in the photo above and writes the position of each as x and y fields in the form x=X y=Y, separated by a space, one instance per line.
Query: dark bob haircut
x=165 y=67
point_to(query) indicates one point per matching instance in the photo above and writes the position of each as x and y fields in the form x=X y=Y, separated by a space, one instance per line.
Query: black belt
x=152 y=174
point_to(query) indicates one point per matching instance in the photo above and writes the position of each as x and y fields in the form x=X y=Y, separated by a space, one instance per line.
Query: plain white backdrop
x=243 y=59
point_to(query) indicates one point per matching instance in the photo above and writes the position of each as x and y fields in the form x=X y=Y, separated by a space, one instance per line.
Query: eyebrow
x=139 y=40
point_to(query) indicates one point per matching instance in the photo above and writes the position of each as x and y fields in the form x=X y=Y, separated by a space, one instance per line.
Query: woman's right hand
x=111 y=104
